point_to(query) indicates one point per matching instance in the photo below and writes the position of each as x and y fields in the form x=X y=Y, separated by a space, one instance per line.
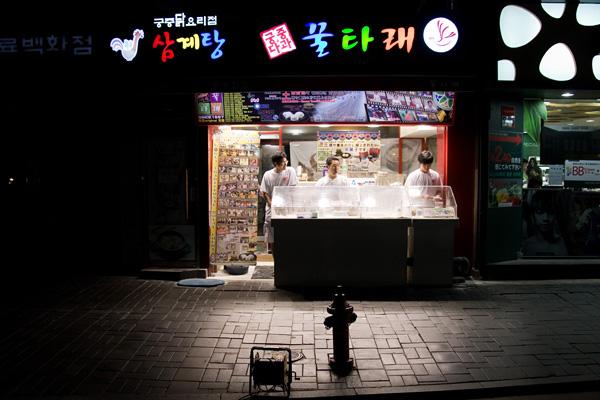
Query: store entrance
x=381 y=155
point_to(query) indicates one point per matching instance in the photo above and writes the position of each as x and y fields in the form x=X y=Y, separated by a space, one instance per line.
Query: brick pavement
x=109 y=336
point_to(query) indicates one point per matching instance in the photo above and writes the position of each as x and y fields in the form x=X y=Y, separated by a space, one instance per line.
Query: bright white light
x=555 y=10
x=127 y=47
x=596 y=67
x=567 y=94
x=373 y=126
x=277 y=201
x=323 y=126
x=440 y=35
x=558 y=63
x=589 y=120
x=412 y=192
x=295 y=131
x=588 y=14
x=370 y=202
x=506 y=70
x=518 y=26
x=274 y=126
x=423 y=127
x=547 y=103
x=323 y=202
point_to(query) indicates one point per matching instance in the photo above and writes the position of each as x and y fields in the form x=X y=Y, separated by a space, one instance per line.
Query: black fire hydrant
x=342 y=315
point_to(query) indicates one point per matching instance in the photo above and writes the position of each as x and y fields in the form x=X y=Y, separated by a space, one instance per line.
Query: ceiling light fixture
x=568 y=94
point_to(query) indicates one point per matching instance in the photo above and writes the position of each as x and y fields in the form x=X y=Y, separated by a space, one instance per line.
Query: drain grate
x=297 y=355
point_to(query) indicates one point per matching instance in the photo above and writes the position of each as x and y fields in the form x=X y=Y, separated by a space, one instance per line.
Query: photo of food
x=408 y=116
x=422 y=116
x=415 y=102
x=392 y=115
x=376 y=113
x=396 y=99
x=378 y=97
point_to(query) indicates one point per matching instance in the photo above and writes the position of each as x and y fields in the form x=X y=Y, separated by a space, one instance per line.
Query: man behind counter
x=424 y=176
x=280 y=175
x=333 y=178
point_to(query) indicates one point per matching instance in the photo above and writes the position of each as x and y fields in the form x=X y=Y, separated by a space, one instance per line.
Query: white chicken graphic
x=128 y=47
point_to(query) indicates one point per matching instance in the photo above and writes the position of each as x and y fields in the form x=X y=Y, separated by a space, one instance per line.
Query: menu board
x=325 y=106
x=359 y=152
x=237 y=205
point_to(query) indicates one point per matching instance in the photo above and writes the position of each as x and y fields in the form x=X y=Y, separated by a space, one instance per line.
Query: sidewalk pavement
x=124 y=337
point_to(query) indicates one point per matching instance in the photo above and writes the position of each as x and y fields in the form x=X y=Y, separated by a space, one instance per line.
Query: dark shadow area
x=540 y=268
x=467 y=290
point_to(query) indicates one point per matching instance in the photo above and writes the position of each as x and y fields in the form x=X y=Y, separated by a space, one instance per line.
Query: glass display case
x=431 y=202
x=380 y=227
x=339 y=202
x=383 y=202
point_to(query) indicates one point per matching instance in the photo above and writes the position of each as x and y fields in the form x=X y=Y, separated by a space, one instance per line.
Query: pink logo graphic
x=440 y=35
x=278 y=41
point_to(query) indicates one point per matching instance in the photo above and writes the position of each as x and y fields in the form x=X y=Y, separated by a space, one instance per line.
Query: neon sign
x=440 y=35
x=128 y=47
x=318 y=37
x=193 y=42
x=278 y=40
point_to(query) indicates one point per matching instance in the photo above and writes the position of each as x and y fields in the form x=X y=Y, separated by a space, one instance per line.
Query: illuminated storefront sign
x=278 y=41
x=440 y=35
x=180 y=20
x=211 y=40
x=50 y=43
x=260 y=44
x=127 y=47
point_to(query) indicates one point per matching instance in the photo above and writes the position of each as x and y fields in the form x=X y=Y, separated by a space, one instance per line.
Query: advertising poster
x=583 y=172
x=209 y=107
x=237 y=197
x=505 y=183
x=294 y=107
x=410 y=107
x=556 y=175
x=359 y=152
x=559 y=223
x=324 y=106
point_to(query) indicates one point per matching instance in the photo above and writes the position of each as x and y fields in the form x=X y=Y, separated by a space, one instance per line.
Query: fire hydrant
x=342 y=315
